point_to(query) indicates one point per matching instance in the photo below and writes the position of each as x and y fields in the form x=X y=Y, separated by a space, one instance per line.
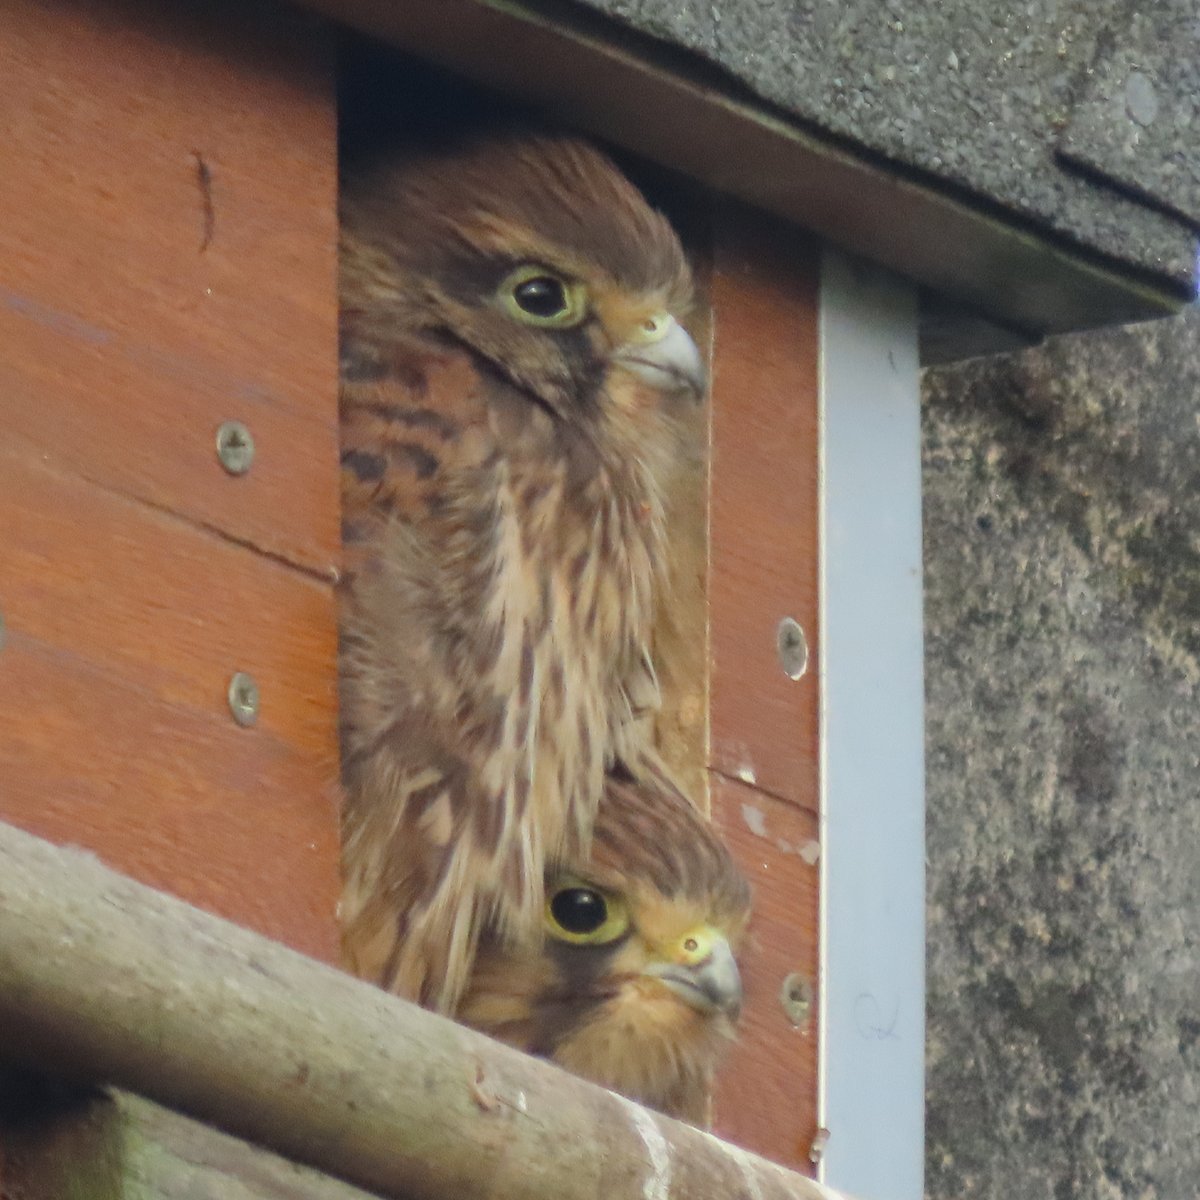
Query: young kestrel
x=635 y=984
x=511 y=363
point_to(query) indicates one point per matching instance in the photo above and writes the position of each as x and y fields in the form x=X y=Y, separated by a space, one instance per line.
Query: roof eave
x=656 y=102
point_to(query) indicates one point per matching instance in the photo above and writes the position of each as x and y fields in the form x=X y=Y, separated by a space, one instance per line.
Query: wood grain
x=170 y=609
x=764 y=726
x=113 y=1144
x=168 y=256
x=233 y=820
x=764 y=555
x=297 y=1057
x=766 y=1097
x=168 y=261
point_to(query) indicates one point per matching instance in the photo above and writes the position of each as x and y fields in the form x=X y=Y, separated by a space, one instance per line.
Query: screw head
x=792 y=646
x=235 y=447
x=243 y=699
x=796 y=996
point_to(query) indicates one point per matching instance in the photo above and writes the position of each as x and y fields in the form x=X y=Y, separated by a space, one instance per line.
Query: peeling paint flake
x=756 y=822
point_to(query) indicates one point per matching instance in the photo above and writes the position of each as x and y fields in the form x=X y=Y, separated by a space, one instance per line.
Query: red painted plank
x=168 y=255
x=766 y=1098
x=763 y=563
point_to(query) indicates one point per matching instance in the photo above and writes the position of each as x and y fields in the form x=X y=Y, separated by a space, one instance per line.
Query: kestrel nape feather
x=512 y=367
x=635 y=985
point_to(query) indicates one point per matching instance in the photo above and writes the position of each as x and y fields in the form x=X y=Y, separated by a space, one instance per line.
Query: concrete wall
x=1004 y=101
x=1062 y=552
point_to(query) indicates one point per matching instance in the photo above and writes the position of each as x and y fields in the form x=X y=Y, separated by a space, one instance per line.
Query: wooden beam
x=116 y=1146
x=168 y=258
x=168 y=262
x=764 y=724
x=108 y=981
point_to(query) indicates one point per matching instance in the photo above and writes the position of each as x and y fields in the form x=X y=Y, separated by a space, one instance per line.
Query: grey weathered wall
x=1062 y=547
x=985 y=97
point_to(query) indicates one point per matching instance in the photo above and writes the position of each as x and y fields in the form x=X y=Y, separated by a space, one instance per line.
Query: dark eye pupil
x=542 y=296
x=579 y=910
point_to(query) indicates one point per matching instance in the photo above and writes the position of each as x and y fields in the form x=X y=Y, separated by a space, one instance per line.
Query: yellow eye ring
x=537 y=296
x=583 y=915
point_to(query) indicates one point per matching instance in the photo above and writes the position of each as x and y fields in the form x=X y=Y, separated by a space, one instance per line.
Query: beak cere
x=711 y=985
x=670 y=363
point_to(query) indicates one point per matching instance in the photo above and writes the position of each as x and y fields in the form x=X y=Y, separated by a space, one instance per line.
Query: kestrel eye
x=584 y=915
x=543 y=296
x=535 y=296
x=579 y=910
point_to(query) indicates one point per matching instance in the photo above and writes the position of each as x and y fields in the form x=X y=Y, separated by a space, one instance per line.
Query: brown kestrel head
x=538 y=256
x=635 y=983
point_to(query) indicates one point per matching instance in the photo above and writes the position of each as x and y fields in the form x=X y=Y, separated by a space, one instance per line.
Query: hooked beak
x=668 y=362
x=711 y=984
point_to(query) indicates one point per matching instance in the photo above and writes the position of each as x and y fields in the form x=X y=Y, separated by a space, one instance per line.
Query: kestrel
x=635 y=984
x=512 y=368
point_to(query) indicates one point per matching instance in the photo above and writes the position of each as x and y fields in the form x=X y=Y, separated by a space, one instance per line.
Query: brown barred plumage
x=503 y=499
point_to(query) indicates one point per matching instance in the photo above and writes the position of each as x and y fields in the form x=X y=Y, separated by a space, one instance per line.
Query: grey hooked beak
x=710 y=986
x=669 y=363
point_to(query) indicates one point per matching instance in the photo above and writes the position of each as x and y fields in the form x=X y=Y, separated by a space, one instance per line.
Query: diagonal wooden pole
x=109 y=981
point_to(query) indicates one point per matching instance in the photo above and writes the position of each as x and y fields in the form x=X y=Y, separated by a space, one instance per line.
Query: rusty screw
x=235 y=447
x=243 y=699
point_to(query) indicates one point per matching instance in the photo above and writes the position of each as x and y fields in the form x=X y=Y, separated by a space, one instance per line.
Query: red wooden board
x=763 y=563
x=763 y=566
x=167 y=262
x=167 y=255
x=766 y=1098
